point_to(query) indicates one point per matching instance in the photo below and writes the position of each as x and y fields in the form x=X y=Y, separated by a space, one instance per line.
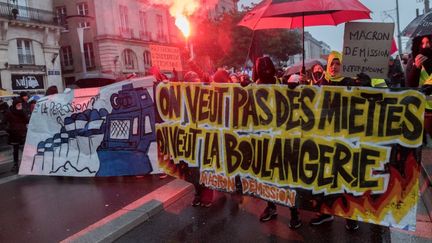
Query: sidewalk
x=51 y=209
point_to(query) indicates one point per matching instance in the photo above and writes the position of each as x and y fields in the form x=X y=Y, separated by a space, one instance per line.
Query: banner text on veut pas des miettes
x=278 y=140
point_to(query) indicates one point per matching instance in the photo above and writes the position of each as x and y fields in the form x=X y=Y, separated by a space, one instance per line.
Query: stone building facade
x=29 y=47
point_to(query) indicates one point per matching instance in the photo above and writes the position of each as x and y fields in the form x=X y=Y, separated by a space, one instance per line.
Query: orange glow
x=183 y=24
x=182 y=9
x=400 y=197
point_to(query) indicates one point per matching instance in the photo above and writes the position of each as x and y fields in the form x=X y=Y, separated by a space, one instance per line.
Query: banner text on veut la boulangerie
x=108 y=131
x=343 y=151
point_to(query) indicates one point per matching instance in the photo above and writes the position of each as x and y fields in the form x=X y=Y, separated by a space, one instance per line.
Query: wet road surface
x=230 y=221
x=49 y=209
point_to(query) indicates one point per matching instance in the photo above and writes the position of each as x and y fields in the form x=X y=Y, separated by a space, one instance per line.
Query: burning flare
x=181 y=9
x=183 y=24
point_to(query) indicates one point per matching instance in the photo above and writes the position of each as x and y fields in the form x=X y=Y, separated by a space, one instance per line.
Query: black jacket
x=17 y=125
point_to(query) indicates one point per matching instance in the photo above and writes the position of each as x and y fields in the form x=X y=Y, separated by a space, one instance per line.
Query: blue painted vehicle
x=130 y=129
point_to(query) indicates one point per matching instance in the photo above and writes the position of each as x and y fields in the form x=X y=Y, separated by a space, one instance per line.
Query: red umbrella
x=291 y=14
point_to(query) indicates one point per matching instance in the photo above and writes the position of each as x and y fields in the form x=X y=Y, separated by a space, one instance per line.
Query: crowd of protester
x=418 y=74
x=14 y=120
x=415 y=73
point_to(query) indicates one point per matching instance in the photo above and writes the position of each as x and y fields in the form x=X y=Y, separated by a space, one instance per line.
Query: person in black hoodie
x=420 y=63
x=419 y=75
x=264 y=73
x=17 y=128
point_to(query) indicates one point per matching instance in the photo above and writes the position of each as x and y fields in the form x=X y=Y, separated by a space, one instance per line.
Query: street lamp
x=398 y=29
x=398 y=34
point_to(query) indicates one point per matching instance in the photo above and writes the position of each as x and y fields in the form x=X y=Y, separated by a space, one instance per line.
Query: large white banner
x=108 y=131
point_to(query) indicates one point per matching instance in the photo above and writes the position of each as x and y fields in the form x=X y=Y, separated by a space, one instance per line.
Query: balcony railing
x=26 y=59
x=27 y=14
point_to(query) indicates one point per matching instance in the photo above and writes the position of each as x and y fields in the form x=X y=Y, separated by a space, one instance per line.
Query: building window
x=61 y=17
x=160 y=28
x=22 y=3
x=129 y=59
x=25 y=52
x=143 y=21
x=82 y=9
x=66 y=56
x=23 y=11
x=144 y=33
x=89 y=55
x=147 y=58
x=124 y=21
x=84 y=24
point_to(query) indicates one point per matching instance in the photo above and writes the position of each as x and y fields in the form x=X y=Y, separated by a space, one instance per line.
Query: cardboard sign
x=367 y=49
x=326 y=149
x=166 y=57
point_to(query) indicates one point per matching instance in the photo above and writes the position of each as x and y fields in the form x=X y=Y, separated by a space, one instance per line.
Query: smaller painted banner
x=367 y=49
x=108 y=131
x=344 y=151
x=166 y=57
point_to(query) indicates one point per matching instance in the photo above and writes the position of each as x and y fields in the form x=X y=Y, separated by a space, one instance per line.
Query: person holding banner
x=203 y=195
x=419 y=74
x=333 y=76
x=265 y=74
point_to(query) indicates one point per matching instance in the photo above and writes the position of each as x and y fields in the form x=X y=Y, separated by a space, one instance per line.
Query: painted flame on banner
x=400 y=197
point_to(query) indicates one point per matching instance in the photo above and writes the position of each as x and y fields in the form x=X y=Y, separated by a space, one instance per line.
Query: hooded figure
x=333 y=75
x=419 y=66
x=17 y=121
x=265 y=71
x=51 y=90
x=333 y=72
x=419 y=74
x=317 y=74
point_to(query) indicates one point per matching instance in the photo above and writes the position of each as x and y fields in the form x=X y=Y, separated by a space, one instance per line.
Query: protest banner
x=108 y=131
x=367 y=49
x=343 y=151
x=166 y=57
